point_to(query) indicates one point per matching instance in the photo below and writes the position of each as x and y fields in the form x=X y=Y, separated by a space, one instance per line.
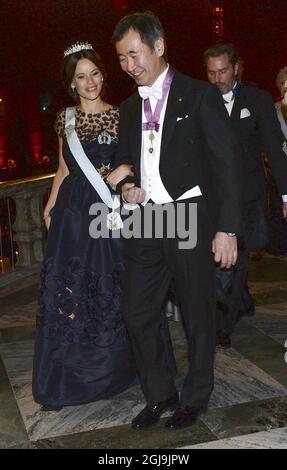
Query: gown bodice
x=98 y=134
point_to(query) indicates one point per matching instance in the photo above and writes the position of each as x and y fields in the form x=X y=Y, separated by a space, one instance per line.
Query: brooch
x=104 y=138
x=69 y=129
x=104 y=170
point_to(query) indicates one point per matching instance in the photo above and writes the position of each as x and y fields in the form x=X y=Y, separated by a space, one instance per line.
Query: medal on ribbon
x=152 y=123
x=114 y=221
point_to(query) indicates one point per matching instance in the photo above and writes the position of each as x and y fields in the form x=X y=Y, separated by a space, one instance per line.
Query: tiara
x=79 y=46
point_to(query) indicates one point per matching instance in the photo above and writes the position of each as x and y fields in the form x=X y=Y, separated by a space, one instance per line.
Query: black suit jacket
x=256 y=133
x=200 y=149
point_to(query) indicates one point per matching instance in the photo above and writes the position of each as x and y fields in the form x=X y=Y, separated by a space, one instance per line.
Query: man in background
x=255 y=123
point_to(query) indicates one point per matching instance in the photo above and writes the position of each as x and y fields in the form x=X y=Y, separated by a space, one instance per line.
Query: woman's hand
x=47 y=221
x=119 y=174
x=47 y=216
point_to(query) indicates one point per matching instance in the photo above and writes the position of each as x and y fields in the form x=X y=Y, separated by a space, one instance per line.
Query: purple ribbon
x=151 y=126
x=152 y=123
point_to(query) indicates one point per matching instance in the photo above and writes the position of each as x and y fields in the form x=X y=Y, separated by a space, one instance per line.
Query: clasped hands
x=133 y=194
x=130 y=192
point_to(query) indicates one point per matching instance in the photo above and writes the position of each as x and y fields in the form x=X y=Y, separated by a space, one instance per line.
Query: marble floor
x=248 y=408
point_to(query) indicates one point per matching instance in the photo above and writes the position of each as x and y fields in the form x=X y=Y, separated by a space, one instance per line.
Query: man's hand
x=224 y=248
x=284 y=209
x=132 y=194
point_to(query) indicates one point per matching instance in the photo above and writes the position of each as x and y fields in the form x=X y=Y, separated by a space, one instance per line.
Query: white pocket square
x=180 y=118
x=244 y=113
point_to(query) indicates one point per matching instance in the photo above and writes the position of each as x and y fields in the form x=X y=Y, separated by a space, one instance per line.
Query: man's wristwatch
x=231 y=234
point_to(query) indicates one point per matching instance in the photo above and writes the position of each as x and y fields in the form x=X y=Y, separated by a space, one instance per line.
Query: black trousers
x=237 y=296
x=151 y=264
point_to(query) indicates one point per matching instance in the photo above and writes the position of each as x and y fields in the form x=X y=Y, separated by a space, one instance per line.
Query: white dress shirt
x=229 y=101
x=151 y=181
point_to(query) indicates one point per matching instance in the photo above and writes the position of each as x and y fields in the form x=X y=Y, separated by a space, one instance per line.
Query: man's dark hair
x=146 y=24
x=219 y=49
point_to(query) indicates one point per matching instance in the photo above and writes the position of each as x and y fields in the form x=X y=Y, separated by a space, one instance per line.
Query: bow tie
x=228 y=97
x=147 y=91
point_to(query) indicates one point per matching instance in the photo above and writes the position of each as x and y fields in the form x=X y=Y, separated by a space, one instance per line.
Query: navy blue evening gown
x=82 y=352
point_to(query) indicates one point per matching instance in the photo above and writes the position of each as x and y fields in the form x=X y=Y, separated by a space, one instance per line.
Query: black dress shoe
x=223 y=340
x=247 y=312
x=151 y=414
x=185 y=417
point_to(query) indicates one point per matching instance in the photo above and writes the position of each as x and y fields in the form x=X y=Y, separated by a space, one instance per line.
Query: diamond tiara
x=79 y=46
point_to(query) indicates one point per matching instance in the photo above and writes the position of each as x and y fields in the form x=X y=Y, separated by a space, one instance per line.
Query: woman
x=278 y=225
x=82 y=351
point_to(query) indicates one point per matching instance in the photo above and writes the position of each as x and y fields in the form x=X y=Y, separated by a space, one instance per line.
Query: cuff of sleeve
x=128 y=206
x=284 y=197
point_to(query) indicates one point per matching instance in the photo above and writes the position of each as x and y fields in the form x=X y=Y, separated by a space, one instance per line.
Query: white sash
x=281 y=119
x=114 y=221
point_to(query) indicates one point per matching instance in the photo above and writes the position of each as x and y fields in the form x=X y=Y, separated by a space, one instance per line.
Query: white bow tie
x=228 y=97
x=147 y=91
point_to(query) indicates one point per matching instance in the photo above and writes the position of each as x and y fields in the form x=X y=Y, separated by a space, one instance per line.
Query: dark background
x=34 y=34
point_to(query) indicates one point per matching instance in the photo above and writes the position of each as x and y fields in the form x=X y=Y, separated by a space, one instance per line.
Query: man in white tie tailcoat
x=176 y=134
x=253 y=117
